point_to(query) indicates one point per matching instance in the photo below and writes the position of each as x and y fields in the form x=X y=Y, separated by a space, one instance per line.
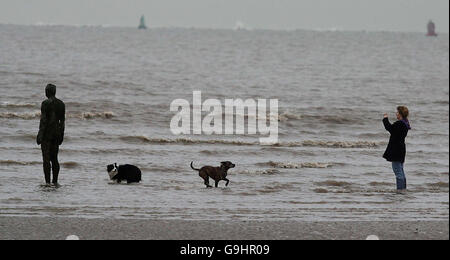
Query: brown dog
x=216 y=173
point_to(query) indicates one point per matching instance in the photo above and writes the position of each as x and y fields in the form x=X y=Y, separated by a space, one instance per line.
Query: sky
x=369 y=15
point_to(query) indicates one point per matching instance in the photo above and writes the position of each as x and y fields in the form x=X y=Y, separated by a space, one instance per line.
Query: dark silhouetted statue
x=51 y=132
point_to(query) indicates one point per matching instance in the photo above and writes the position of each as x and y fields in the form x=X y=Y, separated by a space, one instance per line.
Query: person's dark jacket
x=396 y=149
x=51 y=127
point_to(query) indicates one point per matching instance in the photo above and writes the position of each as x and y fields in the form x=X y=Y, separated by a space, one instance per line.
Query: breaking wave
x=145 y=139
x=37 y=115
x=337 y=144
x=17 y=105
x=259 y=172
x=307 y=143
x=290 y=165
x=25 y=116
x=286 y=116
x=93 y=115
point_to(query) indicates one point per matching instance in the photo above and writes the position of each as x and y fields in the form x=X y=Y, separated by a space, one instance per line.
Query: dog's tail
x=193 y=167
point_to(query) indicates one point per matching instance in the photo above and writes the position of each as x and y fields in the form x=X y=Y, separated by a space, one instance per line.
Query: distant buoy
x=431 y=27
x=142 y=23
x=372 y=237
x=72 y=237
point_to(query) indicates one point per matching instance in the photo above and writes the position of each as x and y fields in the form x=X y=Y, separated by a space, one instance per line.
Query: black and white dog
x=126 y=172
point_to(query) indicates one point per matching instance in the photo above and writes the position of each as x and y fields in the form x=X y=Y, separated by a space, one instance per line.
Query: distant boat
x=431 y=29
x=240 y=26
x=142 y=23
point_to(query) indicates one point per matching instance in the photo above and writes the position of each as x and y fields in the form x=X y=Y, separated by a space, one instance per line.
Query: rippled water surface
x=332 y=87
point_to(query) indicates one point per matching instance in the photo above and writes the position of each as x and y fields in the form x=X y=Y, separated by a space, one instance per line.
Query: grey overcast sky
x=371 y=15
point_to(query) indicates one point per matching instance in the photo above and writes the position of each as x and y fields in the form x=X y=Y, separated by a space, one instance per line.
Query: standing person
x=51 y=132
x=396 y=149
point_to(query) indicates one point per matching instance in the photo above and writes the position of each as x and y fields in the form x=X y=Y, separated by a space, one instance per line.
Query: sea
x=332 y=87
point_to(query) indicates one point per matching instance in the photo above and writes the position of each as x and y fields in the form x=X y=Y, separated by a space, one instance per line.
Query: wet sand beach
x=30 y=228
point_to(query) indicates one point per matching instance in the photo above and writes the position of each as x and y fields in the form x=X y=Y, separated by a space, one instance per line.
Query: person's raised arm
x=387 y=124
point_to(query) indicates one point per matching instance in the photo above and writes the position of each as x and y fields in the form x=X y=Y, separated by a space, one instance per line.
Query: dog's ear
x=115 y=164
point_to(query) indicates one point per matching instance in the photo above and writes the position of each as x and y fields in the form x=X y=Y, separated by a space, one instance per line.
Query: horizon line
x=331 y=29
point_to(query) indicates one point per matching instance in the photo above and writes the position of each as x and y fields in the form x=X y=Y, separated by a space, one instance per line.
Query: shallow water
x=332 y=87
